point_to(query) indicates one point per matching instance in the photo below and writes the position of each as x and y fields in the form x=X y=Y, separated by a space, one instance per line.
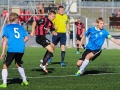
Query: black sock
x=77 y=47
x=62 y=56
x=45 y=54
x=47 y=57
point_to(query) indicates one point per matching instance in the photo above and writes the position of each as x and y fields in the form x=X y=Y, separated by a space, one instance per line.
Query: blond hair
x=13 y=16
x=99 y=19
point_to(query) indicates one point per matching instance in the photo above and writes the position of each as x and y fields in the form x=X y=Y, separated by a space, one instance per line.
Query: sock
x=22 y=73
x=62 y=56
x=84 y=64
x=4 y=75
x=78 y=47
x=47 y=57
x=45 y=54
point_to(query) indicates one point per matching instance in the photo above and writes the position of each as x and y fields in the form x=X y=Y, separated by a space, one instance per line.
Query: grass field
x=101 y=74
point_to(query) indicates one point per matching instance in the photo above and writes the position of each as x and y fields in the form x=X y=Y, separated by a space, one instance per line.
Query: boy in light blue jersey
x=15 y=37
x=97 y=36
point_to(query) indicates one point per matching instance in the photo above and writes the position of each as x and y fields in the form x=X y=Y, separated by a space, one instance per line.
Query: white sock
x=22 y=73
x=4 y=75
x=84 y=64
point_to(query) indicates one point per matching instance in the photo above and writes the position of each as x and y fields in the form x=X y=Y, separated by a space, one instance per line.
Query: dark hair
x=51 y=12
x=60 y=7
x=99 y=19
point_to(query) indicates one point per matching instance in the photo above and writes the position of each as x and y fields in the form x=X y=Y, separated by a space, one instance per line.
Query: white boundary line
x=62 y=76
x=65 y=67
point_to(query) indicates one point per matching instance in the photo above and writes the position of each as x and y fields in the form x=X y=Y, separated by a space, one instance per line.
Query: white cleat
x=44 y=68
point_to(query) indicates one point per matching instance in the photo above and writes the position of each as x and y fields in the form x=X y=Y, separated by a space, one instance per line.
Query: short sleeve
x=107 y=35
x=75 y=23
x=5 y=33
x=52 y=28
x=87 y=32
x=83 y=26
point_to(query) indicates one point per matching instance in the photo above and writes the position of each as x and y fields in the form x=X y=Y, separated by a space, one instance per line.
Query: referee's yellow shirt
x=60 y=22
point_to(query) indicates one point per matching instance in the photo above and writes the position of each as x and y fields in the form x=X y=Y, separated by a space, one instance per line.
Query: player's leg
x=47 y=57
x=77 y=43
x=7 y=61
x=62 y=44
x=83 y=61
x=55 y=40
x=53 y=46
x=18 y=58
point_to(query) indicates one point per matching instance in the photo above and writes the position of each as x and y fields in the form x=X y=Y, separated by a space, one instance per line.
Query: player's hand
x=54 y=33
x=31 y=34
x=69 y=32
x=2 y=56
x=80 y=46
x=81 y=36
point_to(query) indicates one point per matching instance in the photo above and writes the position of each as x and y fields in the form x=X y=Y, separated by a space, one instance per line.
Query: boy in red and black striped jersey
x=80 y=32
x=44 y=25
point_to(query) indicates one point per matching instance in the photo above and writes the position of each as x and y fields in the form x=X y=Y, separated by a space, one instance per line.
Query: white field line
x=62 y=76
x=66 y=67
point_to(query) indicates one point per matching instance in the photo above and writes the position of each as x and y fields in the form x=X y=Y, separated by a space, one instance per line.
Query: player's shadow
x=50 y=70
x=14 y=81
x=55 y=63
x=96 y=72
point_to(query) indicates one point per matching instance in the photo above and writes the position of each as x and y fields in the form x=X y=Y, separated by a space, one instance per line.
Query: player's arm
x=68 y=27
x=33 y=28
x=81 y=41
x=83 y=30
x=52 y=29
x=113 y=39
x=4 y=43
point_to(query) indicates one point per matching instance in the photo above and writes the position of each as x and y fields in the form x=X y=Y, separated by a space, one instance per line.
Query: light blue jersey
x=15 y=35
x=96 y=38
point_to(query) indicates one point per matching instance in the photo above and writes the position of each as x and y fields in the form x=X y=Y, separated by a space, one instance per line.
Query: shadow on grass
x=14 y=81
x=50 y=70
x=96 y=72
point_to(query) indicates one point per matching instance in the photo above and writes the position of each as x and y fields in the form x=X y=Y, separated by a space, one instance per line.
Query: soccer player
x=44 y=25
x=15 y=37
x=61 y=22
x=80 y=32
x=97 y=36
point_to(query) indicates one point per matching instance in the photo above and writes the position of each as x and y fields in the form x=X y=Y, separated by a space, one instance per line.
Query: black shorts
x=11 y=56
x=42 y=40
x=95 y=52
x=78 y=37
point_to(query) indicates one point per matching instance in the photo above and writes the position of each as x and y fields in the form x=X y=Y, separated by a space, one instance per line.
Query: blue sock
x=49 y=61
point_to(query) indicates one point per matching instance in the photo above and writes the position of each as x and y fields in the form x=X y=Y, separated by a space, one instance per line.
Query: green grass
x=101 y=74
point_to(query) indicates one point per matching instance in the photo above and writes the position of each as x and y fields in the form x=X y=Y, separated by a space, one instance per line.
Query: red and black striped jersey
x=43 y=26
x=80 y=27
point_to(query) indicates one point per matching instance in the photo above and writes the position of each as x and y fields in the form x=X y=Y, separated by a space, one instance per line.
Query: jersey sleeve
x=83 y=26
x=41 y=21
x=75 y=23
x=107 y=35
x=5 y=33
x=52 y=28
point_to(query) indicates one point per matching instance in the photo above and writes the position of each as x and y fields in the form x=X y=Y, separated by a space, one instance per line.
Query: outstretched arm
x=115 y=40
